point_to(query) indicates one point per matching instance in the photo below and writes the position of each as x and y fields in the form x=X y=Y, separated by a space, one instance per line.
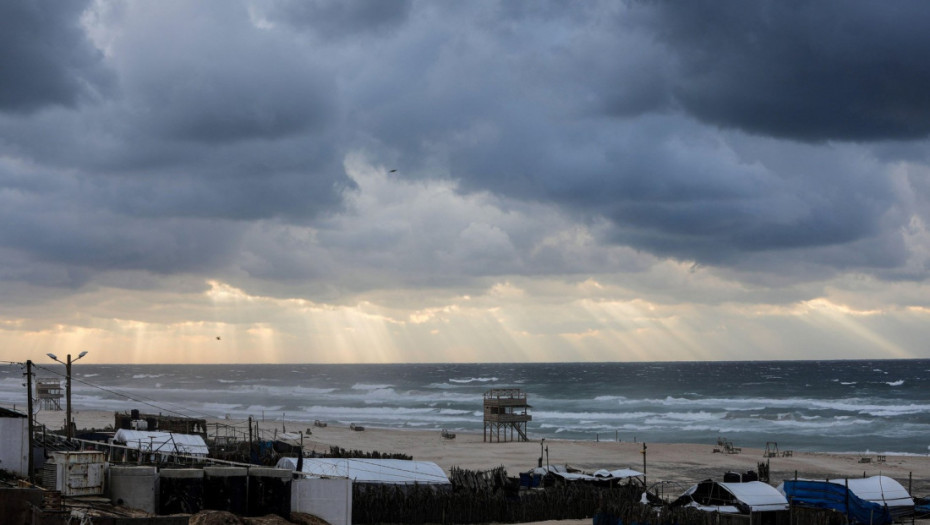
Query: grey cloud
x=45 y=57
x=341 y=19
x=619 y=116
x=222 y=79
x=803 y=70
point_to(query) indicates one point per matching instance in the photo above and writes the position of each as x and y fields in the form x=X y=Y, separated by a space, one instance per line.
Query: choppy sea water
x=838 y=406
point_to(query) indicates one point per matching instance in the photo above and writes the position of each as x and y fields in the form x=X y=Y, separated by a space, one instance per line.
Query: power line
x=139 y=399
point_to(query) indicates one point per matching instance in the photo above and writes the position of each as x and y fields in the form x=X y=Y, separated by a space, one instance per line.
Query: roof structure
x=733 y=498
x=6 y=412
x=162 y=442
x=599 y=475
x=877 y=499
x=383 y=471
x=879 y=489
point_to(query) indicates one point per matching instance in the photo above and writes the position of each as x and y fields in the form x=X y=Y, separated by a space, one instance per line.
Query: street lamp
x=70 y=433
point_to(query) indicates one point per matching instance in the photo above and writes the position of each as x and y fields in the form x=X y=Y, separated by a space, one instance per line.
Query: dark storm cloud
x=55 y=230
x=45 y=56
x=804 y=70
x=735 y=134
x=603 y=113
x=219 y=124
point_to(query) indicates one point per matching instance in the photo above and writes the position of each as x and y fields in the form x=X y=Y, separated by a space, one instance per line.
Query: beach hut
x=752 y=497
x=148 y=441
x=876 y=499
x=371 y=471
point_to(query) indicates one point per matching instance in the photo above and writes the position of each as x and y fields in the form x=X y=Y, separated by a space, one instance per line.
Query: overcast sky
x=406 y=181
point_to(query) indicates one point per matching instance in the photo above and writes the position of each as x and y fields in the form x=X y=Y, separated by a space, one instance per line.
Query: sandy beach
x=677 y=464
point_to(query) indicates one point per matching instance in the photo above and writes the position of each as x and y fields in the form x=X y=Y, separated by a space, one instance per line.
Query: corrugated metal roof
x=164 y=442
x=371 y=470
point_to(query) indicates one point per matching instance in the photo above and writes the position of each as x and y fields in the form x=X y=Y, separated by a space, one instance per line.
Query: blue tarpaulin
x=827 y=495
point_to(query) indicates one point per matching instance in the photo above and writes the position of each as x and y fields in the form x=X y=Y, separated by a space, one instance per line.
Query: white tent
x=879 y=489
x=717 y=496
x=162 y=442
x=876 y=489
x=384 y=471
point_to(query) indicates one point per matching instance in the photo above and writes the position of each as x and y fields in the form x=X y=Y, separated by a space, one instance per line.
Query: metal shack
x=14 y=442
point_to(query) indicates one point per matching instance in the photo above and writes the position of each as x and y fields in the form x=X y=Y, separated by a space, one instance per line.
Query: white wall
x=14 y=445
x=329 y=499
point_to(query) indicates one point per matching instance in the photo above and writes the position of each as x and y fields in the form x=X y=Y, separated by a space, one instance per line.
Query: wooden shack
x=505 y=415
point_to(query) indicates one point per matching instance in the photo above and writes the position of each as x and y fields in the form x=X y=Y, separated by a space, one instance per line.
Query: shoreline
x=676 y=464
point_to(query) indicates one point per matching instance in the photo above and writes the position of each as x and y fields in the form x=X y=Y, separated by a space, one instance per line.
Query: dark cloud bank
x=744 y=134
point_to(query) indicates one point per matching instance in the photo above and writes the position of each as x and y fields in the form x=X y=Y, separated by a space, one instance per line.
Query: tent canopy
x=879 y=489
x=599 y=475
x=877 y=499
x=162 y=442
x=733 y=498
x=385 y=471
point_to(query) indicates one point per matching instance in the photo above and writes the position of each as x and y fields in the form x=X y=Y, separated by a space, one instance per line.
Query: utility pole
x=70 y=432
x=644 y=463
x=29 y=410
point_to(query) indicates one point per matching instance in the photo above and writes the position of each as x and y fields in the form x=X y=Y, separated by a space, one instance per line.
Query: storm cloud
x=328 y=150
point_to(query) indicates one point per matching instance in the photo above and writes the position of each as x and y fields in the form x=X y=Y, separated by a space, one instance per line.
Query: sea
x=848 y=406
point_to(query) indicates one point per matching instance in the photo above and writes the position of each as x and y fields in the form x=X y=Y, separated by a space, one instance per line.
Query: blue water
x=838 y=406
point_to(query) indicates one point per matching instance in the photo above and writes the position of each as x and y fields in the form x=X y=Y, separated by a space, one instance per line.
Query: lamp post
x=67 y=364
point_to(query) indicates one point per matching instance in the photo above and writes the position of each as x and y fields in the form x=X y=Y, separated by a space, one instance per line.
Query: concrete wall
x=14 y=445
x=329 y=499
x=180 y=490
x=134 y=487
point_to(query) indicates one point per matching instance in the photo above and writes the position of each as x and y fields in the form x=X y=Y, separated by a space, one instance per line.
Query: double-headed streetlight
x=68 y=387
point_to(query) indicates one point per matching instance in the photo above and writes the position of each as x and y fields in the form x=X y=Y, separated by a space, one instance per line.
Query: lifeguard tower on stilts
x=505 y=415
x=48 y=393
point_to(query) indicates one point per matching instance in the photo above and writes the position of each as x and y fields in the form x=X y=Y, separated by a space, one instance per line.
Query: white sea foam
x=363 y=386
x=474 y=380
x=694 y=402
